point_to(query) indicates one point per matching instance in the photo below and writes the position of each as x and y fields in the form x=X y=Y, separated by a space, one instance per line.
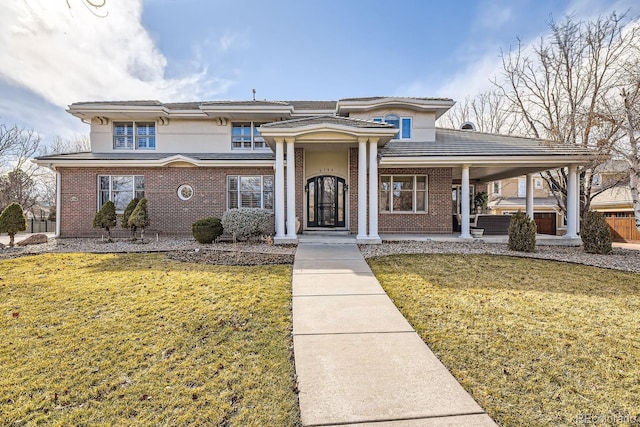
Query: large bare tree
x=489 y=111
x=556 y=87
x=18 y=176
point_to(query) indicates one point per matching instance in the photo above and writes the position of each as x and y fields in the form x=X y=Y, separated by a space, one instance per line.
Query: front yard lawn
x=142 y=340
x=535 y=342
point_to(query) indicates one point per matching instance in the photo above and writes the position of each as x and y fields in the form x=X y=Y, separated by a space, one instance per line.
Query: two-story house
x=361 y=165
x=508 y=196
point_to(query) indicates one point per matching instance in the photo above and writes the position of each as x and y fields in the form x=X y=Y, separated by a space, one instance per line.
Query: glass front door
x=326 y=201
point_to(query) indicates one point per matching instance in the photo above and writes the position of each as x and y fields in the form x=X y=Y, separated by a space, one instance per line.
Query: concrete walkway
x=357 y=359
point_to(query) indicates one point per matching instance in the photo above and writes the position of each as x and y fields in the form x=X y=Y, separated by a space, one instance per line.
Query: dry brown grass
x=143 y=340
x=535 y=342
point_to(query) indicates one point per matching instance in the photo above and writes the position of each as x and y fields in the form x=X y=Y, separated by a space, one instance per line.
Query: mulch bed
x=231 y=257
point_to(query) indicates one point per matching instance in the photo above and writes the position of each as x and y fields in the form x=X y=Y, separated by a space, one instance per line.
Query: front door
x=326 y=201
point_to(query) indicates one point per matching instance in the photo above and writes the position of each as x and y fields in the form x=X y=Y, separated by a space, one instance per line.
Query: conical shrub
x=595 y=233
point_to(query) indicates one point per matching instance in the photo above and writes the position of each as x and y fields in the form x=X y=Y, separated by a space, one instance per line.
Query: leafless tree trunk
x=556 y=87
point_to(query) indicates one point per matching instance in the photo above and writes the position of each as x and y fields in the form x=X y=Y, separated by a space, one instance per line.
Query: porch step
x=335 y=239
x=326 y=232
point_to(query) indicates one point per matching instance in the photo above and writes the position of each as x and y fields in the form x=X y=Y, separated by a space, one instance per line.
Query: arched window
x=402 y=124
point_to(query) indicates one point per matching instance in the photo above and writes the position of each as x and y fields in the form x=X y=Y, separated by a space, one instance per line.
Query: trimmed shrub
x=207 y=230
x=124 y=222
x=106 y=218
x=12 y=220
x=596 y=237
x=140 y=217
x=522 y=233
x=244 y=223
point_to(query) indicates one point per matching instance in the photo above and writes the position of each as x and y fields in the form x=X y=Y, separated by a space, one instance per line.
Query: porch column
x=279 y=190
x=291 y=190
x=572 y=201
x=529 y=203
x=373 y=189
x=464 y=203
x=362 y=188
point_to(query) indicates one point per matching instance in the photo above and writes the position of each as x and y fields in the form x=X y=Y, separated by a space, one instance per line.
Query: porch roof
x=451 y=142
x=150 y=159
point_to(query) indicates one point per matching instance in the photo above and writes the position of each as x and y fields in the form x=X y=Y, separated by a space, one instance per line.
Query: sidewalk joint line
x=353 y=333
x=339 y=295
x=386 y=420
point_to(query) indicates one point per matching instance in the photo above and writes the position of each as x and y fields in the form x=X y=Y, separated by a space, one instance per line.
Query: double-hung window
x=134 y=135
x=120 y=189
x=401 y=123
x=245 y=136
x=403 y=193
x=254 y=191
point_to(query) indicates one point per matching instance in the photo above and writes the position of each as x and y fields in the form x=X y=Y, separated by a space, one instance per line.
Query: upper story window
x=134 y=135
x=402 y=123
x=245 y=136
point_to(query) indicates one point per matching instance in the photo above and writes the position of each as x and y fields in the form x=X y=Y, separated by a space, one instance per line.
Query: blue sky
x=175 y=50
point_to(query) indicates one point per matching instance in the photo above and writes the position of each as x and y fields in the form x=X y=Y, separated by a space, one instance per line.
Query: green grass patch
x=142 y=340
x=535 y=342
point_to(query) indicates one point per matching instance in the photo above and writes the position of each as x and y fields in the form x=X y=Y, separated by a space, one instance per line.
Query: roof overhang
x=327 y=133
x=248 y=112
x=179 y=160
x=86 y=112
x=487 y=169
x=438 y=106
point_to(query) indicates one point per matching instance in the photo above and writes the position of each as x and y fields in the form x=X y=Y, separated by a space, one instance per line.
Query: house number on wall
x=326 y=170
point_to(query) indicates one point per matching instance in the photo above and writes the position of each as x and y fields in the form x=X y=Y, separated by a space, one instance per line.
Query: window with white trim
x=245 y=136
x=403 y=193
x=120 y=189
x=537 y=183
x=522 y=187
x=404 y=124
x=496 y=187
x=250 y=191
x=134 y=135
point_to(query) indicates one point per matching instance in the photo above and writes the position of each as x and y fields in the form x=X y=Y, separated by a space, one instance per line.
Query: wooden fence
x=623 y=229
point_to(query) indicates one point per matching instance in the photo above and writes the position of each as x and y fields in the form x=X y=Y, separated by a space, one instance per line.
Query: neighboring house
x=360 y=165
x=615 y=202
x=508 y=196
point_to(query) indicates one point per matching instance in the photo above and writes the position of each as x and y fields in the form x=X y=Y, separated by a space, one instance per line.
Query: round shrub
x=522 y=233
x=244 y=223
x=207 y=230
x=596 y=237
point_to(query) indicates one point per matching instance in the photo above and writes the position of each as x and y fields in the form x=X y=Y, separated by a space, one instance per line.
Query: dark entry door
x=325 y=201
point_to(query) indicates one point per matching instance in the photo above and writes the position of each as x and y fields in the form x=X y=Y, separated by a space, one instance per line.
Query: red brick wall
x=300 y=183
x=353 y=190
x=79 y=192
x=438 y=217
x=174 y=216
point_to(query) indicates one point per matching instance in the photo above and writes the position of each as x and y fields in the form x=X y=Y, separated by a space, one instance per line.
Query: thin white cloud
x=476 y=74
x=66 y=55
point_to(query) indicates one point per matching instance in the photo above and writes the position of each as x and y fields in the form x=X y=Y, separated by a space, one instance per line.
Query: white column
x=373 y=189
x=572 y=200
x=291 y=190
x=529 y=192
x=279 y=190
x=464 y=203
x=362 y=188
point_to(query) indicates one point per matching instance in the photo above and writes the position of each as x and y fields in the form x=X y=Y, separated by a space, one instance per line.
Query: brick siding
x=172 y=216
x=169 y=214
